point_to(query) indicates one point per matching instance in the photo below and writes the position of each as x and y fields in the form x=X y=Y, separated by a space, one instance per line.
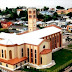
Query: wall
x=33 y=47
x=46 y=58
x=12 y=66
x=47 y=46
x=19 y=49
x=13 y=49
x=3 y=48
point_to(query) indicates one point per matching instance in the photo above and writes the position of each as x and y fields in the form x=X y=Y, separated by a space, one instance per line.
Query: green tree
x=6 y=8
x=17 y=8
x=69 y=14
x=37 y=9
x=13 y=16
x=23 y=13
x=0 y=12
x=55 y=16
x=5 y=12
x=40 y=16
x=59 y=7
x=47 y=18
x=45 y=8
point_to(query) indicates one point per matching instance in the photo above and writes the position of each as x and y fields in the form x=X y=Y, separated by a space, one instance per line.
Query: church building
x=32 y=49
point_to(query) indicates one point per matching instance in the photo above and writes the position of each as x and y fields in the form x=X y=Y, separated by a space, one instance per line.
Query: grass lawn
x=61 y=57
x=4 y=30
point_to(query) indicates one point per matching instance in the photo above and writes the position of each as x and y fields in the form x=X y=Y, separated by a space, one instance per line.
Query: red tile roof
x=69 y=10
x=59 y=11
x=9 y=23
x=13 y=61
x=46 y=51
x=54 y=26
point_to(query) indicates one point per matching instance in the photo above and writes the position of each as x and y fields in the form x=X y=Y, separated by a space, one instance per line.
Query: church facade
x=33 y=48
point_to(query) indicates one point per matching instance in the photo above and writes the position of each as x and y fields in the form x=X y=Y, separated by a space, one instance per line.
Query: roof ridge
x=9 y=40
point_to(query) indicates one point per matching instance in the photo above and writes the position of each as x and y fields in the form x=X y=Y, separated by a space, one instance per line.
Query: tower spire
x=31 y=19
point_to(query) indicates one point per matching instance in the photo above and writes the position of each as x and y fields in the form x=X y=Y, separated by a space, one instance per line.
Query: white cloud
x=35 y=3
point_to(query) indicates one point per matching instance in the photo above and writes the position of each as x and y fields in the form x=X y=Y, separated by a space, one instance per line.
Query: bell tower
x=31 y=19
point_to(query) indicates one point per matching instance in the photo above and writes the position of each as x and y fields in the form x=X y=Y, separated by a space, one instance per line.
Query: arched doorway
x=10 y=54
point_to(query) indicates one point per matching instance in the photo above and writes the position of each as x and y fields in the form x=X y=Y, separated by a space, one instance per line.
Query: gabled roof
x=30 y=38
x=62 y=10
x=8 y=23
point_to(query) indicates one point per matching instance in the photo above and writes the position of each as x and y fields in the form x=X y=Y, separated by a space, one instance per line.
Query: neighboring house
x=5 y=24
x=69 y=10
x=40 y=23
x=46 y=13
x=52 y=22
x=44 y=24
x=69 y=20
x=52 y=9
x=69 y=28
x=32 y=49
x=60 y=23
x=64 y=26
x=19 y=22
x=18 y=28
x=66 y=17
x=63 y=11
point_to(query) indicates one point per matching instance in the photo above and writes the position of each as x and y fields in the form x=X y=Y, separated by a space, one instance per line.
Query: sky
x=35 y=3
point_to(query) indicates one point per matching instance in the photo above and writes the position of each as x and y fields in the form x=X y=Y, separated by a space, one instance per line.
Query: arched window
x=31 y=55
x=35 y=57
x=10 y=54
x=41 y=60
x=6 y=65
x=44 y=46
x=28 y=53
x=30 y=12
x=50 y=39
x=30 y=16
x=22 y=52
x=69 y=27
x=16 y=66
x=2 y=54
x=5 y=53
x=33 y=11
x=34 y=16
x=24 y=61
